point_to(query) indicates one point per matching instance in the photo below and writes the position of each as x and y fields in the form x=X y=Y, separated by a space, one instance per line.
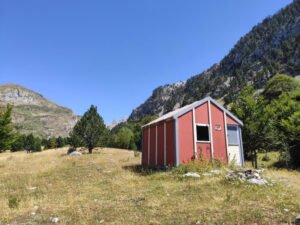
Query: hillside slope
x=110 y=188
x=32 y=113
x=271 y=47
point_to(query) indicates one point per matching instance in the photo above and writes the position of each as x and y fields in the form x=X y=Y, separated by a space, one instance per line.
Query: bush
x=265 y=158
x=18 y=145
x=199 y=166
x=13 y=202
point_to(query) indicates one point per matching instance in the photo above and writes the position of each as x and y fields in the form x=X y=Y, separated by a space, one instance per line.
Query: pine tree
x=88 y=130
x=51 y=143
x=18 y=145
x=60 y=142
x=29 y=143
x=7 y=135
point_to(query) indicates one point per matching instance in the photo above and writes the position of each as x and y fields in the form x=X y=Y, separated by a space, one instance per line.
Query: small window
x=233 y=135
x=202 y=133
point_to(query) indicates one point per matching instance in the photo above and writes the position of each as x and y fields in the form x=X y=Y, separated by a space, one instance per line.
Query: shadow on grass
x=144 y=170
x=285 y=165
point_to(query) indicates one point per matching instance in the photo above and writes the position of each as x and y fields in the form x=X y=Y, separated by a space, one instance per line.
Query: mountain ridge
x=33 y=113
x=272 y=46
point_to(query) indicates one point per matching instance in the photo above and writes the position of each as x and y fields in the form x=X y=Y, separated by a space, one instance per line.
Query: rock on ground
x=196 y=175
x=252 y=176
x=76 y=153
x=54 y=220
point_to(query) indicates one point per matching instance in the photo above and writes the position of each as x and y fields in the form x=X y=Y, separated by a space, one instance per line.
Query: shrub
x=266 y=158
x=13 y=202
x=199 y=166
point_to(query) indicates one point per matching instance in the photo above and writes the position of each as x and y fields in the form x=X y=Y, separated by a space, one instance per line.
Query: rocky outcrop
x=163 y=99
x=32 y=113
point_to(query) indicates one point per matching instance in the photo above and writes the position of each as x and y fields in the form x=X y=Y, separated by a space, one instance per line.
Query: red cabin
x=203 y=129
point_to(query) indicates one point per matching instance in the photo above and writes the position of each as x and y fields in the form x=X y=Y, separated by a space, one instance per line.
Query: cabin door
x=234 y=148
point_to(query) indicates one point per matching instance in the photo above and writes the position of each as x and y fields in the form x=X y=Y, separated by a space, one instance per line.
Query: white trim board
x=149 y=145
x=176 y=142
x=210 y=130
x=165 y=143
x=194 y=134
x=156 y=145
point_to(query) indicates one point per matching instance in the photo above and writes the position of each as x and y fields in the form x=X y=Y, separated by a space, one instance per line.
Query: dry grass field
x=108 y=187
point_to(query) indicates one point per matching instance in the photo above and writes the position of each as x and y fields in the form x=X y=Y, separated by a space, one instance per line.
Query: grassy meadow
x=109 y=187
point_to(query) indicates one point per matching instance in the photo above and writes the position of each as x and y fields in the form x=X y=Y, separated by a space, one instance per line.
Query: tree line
x=90 y=132
x=271 y=118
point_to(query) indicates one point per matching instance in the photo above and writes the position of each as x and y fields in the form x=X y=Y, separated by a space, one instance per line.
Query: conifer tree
x=7 y=135
x=88 y=130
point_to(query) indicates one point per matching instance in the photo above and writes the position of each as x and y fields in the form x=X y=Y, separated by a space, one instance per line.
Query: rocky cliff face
x=32 y=113
x=271 y=47
x=158 y=103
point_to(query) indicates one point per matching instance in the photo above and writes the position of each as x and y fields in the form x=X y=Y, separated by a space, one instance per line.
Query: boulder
x=75 y=153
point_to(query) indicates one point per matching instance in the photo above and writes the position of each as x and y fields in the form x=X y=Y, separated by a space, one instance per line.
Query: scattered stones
x=251 y=176
x=101 y=221
x=54 y=219
x=286 y=210
x=33 y=213
x=75 y=153
x=297 y=221
x=196 y=175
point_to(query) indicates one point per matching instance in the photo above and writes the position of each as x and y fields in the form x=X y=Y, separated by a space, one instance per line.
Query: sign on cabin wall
x=218 y=127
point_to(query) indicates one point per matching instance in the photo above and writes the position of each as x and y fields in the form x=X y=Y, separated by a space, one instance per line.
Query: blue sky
x=114 y=53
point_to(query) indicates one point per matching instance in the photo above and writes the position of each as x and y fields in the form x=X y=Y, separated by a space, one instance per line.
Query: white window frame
x=203 y=125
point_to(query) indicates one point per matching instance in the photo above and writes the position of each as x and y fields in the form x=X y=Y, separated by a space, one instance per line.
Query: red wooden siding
x=230 y=120
x=170 y=159
x=186 y=138
x=160 y=144
x=218 y=133
x=203 y=151
x=201 y=114
x=152 y=145
x=145 y=146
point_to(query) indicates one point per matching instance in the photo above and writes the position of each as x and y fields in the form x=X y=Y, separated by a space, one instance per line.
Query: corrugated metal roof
x=178 y=112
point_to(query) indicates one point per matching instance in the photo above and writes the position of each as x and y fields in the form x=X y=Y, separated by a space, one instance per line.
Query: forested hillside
x=271 y=47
